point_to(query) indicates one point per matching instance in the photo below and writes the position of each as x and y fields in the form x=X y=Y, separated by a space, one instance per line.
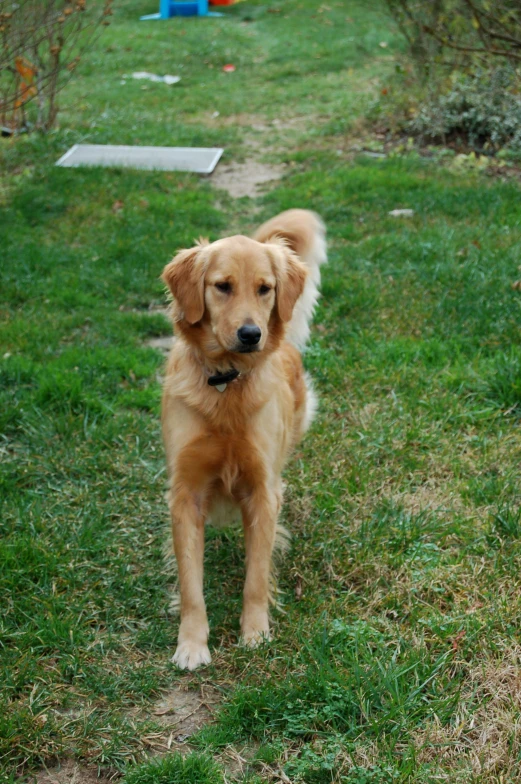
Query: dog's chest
x=239 y=464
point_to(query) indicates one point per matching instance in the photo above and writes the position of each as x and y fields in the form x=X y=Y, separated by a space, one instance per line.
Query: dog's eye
x=264 y=289
x=225 y=287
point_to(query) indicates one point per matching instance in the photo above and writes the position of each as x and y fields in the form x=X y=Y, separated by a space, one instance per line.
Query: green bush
x=482 y=110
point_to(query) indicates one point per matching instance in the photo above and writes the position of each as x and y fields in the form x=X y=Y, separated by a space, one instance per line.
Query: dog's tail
x=305 y=234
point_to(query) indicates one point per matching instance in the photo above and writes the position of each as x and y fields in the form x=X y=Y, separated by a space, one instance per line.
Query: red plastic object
x=222 y=2
x=228 y=68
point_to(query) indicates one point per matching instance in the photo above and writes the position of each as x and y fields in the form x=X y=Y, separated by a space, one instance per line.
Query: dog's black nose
x=249 y=334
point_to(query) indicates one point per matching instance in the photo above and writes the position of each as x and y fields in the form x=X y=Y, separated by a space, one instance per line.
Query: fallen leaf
x=118 y=206
x=457 y=638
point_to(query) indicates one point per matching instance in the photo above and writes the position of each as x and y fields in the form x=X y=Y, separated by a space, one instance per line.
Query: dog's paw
x=190 y=655
x=255 y=626
x=252 y=638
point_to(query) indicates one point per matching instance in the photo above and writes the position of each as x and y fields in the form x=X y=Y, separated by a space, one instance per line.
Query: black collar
x=223 y=378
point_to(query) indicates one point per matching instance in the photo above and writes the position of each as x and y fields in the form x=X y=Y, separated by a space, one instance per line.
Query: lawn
x=397 y=646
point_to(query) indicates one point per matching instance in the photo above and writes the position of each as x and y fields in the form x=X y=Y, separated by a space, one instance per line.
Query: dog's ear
x=290 y=274
x=184 y=276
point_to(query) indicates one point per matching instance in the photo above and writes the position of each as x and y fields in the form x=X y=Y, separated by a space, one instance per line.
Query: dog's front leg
x=259 y=514
x=188 y=534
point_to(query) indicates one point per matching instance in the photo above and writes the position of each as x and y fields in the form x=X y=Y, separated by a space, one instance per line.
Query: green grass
x=397 y=655
x=176 y=770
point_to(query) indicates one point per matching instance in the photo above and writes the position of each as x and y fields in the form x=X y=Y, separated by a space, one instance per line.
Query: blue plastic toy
x=168 y=8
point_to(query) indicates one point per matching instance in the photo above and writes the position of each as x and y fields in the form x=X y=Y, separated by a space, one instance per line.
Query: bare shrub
x=464 y=89
x=460 y=32
x=41 y=43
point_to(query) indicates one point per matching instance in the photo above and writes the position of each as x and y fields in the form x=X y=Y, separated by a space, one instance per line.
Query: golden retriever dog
x=236 y=401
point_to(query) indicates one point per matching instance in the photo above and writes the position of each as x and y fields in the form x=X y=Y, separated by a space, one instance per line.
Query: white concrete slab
x=201 y=160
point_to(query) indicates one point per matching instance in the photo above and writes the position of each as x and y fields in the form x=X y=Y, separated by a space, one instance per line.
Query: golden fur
x=231 y=445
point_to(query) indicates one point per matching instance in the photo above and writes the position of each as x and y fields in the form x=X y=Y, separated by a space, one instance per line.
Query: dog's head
x=234 y=295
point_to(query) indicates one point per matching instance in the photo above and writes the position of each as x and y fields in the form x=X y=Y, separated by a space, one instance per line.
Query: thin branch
x=489 y=16
x=478 y=13
x=473 y=49
x=508 y=38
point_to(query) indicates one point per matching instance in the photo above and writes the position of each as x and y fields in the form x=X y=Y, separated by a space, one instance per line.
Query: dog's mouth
x=246 y=349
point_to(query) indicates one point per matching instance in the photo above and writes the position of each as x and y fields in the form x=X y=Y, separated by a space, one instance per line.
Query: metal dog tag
x=221 y=387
